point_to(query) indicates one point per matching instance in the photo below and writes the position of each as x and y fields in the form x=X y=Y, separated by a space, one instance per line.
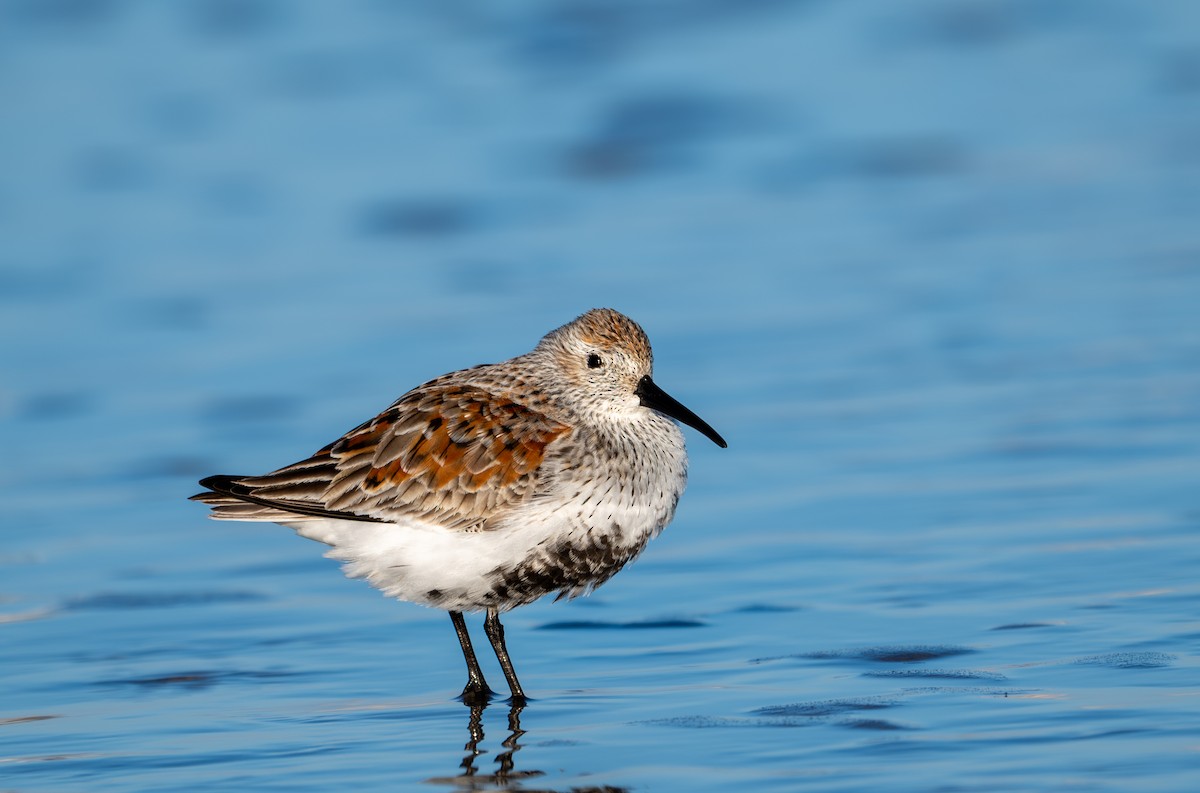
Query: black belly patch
x=568 y=568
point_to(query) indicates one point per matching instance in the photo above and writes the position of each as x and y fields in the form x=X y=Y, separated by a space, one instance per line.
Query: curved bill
x=655 y=398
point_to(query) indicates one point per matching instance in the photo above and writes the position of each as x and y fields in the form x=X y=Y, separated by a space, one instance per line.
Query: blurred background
x=932 y=268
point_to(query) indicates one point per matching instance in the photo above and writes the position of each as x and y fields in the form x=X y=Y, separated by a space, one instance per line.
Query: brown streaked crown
x=605 y=328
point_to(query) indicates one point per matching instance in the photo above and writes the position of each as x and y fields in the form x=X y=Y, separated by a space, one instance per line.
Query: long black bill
x=655 y=398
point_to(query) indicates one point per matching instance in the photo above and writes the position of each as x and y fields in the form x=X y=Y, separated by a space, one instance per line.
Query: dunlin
x=489 y=487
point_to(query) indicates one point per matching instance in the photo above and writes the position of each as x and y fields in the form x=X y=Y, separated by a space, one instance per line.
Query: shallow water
x=931 y=268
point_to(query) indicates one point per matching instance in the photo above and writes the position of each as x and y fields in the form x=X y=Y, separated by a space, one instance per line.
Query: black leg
x=495 y=634
x=476 y=690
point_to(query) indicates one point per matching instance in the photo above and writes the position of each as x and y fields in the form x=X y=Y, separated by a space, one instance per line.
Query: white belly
x=567 y=542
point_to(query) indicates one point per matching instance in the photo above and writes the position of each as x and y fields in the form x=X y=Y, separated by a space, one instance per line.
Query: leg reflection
x=505 y=773
x=506 y=776
x=505 y=759
x=475 y=731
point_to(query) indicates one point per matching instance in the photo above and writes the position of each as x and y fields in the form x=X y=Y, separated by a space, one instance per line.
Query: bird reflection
x=505 y=776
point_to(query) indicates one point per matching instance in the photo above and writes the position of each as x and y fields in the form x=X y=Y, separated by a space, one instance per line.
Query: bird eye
x=594 y=361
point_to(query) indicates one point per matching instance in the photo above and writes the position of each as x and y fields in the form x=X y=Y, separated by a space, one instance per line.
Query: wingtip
x=218 y=484
x=226 y=491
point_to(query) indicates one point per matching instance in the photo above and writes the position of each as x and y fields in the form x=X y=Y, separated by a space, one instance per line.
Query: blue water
x=932 y=269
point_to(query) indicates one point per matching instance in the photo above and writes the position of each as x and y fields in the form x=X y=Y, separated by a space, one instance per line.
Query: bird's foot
x=476 y=694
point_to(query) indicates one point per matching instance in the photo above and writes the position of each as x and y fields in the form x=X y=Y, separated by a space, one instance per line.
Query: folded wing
x=456 y=454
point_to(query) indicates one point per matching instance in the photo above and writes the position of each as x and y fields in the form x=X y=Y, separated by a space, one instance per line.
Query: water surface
x=931 y=268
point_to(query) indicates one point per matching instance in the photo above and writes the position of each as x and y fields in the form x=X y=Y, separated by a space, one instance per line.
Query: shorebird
x=487 y=488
